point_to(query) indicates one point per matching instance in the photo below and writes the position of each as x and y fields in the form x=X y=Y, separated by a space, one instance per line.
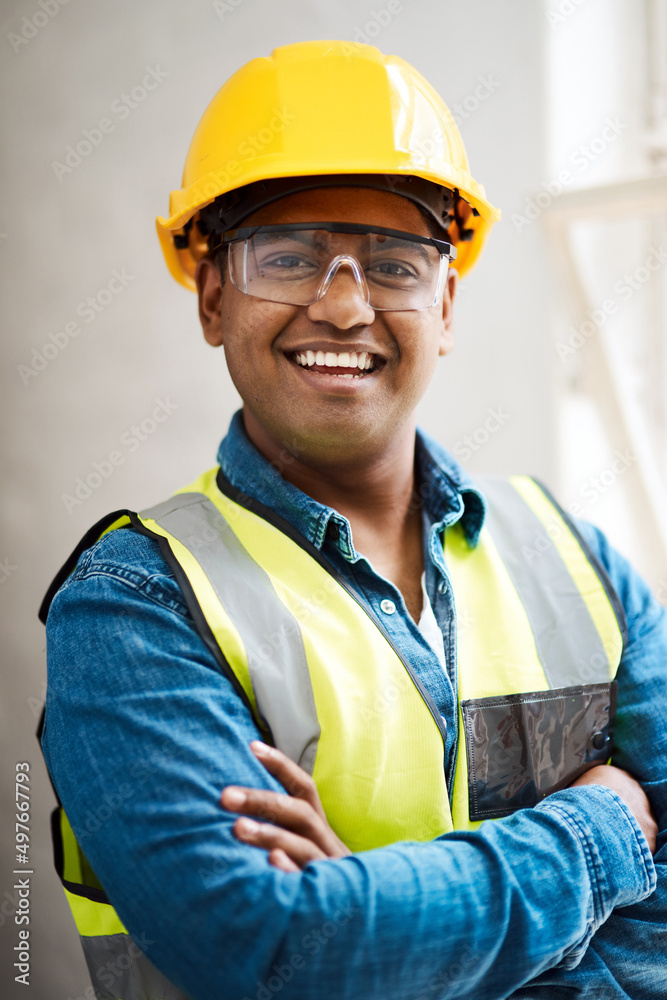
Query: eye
x=394 y=268
x=392 y=271
x=286 y=264
x=287 y=260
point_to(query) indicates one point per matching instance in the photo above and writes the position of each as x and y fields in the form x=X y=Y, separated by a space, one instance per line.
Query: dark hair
x=219 y=257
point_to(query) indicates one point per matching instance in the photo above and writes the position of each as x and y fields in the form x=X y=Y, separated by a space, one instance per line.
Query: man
x=306 y=594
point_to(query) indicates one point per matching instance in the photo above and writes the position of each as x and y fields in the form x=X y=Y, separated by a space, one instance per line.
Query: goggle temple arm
x=243 y=287
x=442 y=279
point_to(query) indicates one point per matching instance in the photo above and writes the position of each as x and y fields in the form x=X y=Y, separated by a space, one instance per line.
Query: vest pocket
x=522 y=747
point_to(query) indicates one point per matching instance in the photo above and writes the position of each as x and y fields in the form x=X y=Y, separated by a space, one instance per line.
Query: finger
x=294 y=815
x=297 y=782
x=279 y=859
x=276 y=807
x=264 y=835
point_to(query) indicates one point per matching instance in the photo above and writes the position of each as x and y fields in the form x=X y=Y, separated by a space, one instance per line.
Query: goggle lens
x=295 y=265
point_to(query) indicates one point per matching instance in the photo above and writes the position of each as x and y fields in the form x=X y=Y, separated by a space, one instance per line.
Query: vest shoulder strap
x=571 y=604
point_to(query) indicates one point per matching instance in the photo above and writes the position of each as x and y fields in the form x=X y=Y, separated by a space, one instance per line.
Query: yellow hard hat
x=317 y=109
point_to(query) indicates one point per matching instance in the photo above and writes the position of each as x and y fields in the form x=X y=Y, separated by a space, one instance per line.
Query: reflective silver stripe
x=270 y=633
x=568 y=644
x=119 y=970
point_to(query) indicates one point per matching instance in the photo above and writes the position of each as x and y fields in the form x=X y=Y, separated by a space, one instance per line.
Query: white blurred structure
x=605 y=217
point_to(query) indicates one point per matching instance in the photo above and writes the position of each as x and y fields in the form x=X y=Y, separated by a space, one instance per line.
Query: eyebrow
x=389 y=242
x=294 y=235
x=307 y=237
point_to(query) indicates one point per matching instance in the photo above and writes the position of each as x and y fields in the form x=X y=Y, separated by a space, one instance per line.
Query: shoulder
x=125 y=561
x=642 y=609
x=626 y=580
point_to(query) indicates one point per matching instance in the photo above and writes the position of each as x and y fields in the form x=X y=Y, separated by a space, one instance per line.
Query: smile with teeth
x=356 y=364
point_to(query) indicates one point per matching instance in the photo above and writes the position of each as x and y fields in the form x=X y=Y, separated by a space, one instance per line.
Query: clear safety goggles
x=295 y=263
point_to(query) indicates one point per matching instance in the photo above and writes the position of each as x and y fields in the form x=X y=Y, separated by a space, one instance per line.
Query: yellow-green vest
x=540 y=633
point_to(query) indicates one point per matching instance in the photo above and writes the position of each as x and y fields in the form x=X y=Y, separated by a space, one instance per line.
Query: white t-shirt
x=429 y=628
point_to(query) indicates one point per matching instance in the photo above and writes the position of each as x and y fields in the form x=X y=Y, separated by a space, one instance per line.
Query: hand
x=630 y=791
x=298 y=831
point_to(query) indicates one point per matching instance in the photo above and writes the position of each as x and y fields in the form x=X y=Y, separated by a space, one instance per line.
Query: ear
x=209 y=290
x=447 y=333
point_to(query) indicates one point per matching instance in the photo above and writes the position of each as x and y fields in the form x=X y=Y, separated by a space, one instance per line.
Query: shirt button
x=388 y=607
x=442 y=587
x=444 y=722
x=333 y=531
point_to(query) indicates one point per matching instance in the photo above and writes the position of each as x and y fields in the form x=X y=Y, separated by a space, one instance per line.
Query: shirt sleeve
x=628 y=954
x=143 y=730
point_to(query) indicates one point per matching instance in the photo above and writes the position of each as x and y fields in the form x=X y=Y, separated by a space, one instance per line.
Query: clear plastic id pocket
x=522 y=747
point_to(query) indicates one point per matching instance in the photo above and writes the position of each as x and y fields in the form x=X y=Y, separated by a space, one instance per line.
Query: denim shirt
x=143 y=731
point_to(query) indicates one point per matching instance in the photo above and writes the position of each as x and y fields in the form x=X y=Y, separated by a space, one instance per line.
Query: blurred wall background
x=528 y=83
x=603 y=210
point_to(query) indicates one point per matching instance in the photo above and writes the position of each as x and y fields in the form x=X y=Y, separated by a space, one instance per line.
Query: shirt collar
x=448 y=494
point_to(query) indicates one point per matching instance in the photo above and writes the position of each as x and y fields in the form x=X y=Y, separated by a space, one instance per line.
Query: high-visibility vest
x=540 y=634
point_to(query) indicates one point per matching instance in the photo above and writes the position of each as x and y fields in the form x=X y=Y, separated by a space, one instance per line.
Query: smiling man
x=335 y=376
x=338 y=612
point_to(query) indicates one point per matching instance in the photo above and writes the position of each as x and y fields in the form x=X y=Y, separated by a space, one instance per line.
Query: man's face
x=321 y=417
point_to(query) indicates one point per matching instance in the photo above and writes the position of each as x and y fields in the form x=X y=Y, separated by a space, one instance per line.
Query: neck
x=363 y=486
x=374 y=490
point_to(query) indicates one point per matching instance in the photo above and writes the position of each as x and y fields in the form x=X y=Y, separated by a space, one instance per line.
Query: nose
x=343 y=296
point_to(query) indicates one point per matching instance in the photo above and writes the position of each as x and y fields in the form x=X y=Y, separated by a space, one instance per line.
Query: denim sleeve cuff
x=618 y=859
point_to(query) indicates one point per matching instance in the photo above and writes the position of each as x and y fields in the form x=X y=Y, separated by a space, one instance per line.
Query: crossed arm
x=295 y=830
x=628 y=954
x=142 y=726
